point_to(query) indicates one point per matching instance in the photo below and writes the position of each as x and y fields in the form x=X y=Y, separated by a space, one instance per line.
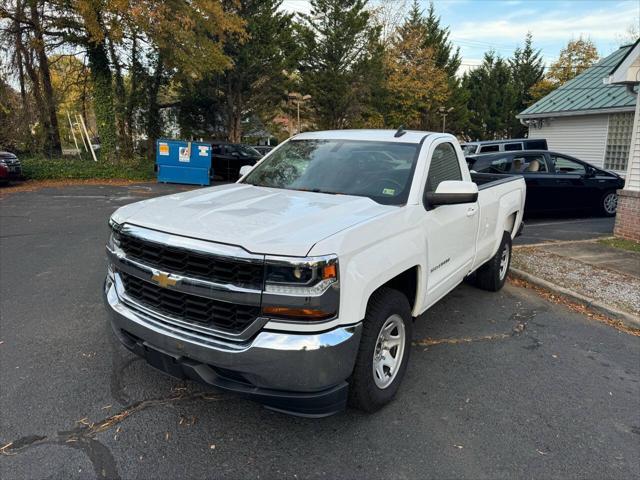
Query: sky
x=479 y=25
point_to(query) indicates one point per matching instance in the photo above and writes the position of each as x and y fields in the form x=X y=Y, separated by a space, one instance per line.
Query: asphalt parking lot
x=500 y=385
x=564 y=228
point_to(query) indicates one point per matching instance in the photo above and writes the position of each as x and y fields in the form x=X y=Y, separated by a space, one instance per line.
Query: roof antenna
x=401 y=131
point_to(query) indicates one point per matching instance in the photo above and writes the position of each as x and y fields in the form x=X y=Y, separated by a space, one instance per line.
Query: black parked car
x=555 y=182
x=228 y=158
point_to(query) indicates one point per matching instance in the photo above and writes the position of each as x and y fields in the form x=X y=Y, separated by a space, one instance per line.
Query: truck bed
x=488 y=180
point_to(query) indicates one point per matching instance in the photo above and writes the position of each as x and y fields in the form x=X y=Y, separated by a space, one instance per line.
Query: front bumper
x=303 y=374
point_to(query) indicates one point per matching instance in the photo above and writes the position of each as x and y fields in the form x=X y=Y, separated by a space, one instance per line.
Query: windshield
x=381 y=171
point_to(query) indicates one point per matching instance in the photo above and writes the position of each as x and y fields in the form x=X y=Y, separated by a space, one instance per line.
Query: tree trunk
x=132 y=101
x=234 y=112
x=103 y=99
x=154 y=125
x=120 y=103
x=53 y=133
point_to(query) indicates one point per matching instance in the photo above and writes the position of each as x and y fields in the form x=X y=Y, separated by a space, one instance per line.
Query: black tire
x=490 y=276
x=364 y=393
x=609 y=203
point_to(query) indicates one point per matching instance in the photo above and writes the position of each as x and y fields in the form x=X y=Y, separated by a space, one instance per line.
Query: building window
x=618 y=141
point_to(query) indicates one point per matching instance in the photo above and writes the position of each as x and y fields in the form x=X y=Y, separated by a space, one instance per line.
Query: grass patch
x=73 y=168
x=622 y=244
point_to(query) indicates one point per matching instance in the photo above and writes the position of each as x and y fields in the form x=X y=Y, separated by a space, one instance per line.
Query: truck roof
x=410 y=136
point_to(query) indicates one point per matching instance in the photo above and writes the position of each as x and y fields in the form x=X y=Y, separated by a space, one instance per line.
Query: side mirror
x=452 y=192
x=590 y=172
x=245 y=169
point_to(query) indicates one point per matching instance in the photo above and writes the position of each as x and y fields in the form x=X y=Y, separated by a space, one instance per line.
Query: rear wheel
x=492 y=275
x=609 y=203
x=384 y=351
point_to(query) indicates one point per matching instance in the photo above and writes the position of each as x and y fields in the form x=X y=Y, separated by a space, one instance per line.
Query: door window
x=510 y=147
x=529 y=164
x=566 y=165
x=489 y=148
x=444 y=166
x=216 y=150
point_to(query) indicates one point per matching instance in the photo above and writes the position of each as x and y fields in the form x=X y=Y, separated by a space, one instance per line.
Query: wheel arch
x=407 y=283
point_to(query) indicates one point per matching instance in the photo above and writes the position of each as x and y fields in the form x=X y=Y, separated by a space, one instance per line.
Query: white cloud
x=599 y=24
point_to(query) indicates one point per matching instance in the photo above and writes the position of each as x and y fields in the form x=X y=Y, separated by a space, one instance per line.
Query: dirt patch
x=33 y=185
x=574 y=306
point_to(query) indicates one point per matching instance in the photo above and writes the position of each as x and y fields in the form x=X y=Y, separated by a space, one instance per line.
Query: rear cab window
x=444 y=166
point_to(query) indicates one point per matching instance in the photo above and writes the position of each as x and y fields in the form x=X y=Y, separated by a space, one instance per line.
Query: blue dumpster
x=178 y=161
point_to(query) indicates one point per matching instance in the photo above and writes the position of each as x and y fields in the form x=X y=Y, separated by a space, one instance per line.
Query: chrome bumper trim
x=276 y=360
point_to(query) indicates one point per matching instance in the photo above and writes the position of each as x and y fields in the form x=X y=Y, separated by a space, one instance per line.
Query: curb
x=628 y=319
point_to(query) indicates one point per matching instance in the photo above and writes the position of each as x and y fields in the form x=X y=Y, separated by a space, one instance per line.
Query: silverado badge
x=163 y=280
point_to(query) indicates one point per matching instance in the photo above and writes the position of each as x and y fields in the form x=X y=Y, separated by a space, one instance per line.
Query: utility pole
x=298 y=98
x=444 y=112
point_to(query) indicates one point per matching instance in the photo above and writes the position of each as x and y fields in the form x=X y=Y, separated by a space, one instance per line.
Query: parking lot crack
x=521 y=318
x=83 y=436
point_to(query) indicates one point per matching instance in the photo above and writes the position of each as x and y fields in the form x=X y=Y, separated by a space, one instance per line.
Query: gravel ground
x=610 y=287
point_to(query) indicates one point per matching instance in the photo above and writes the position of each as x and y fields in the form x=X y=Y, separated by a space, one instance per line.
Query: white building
x=587 y=118
x=627 y=73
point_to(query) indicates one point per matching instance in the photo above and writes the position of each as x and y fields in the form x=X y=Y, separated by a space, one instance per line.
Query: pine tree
x=437 y=37
x=447 y=58
x=337 y=38
x=527 y=69
x=491 y=99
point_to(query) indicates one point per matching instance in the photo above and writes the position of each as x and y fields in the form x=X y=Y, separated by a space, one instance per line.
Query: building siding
x=581 y=136
x=633 y=171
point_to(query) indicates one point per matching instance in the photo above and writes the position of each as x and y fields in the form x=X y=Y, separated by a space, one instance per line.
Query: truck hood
x=258 y=219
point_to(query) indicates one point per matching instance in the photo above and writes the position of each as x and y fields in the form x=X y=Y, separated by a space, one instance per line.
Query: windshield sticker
x=389 y=191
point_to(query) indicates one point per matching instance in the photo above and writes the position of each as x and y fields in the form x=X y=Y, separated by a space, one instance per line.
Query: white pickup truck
x=298 y=285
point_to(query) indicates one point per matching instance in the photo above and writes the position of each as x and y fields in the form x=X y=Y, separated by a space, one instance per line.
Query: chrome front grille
x=188 y=283
x=193 y=264
x=190 y=308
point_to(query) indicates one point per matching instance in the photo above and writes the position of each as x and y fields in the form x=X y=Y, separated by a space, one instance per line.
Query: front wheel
x=492 y=275
x=384 y=351
x=609 y=203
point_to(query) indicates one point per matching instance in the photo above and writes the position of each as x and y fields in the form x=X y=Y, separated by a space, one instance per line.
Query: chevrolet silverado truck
x=298 y=285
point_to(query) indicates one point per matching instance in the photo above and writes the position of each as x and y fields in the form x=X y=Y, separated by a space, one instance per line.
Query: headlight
x=306 y=289
x=114 y=236
x=308 y=277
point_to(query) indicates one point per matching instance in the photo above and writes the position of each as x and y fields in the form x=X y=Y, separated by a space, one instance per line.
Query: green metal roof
x=586 y=92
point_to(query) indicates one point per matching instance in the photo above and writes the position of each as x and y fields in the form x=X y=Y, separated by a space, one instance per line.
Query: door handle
x=471 y=211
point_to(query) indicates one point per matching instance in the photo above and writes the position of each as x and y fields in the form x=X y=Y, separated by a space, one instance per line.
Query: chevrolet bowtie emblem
x=163 y=280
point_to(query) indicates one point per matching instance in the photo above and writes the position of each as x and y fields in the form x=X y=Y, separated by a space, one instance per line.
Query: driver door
x=450 y=230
